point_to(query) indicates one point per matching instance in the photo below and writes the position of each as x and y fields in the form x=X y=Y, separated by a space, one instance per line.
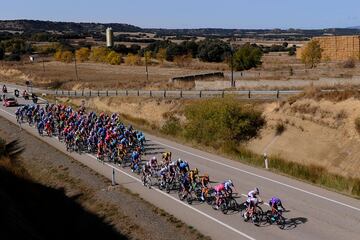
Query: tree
x=161 y=55
x=247 y=57
x=147 y=56
x=183 y=61
x=57 y=55
x=132 y=60
x=113 y=58
x=311 y=54
x=67 y=56
x=213 y=50
x=82 y=54
x=99 y=54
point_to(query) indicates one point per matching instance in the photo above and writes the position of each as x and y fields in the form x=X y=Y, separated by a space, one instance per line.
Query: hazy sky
x=192 y=13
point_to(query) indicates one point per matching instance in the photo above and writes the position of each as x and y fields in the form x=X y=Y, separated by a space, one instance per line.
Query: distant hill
x=33 y=26
x=41 y=26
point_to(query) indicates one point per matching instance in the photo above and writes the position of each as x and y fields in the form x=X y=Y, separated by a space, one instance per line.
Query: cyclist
x=183 y=166
x=100 y=149
x=254 y=194
x=193 y=175
x=185 y=184
x=146 y=171
x=252 y=201
x=204 y=180
x=153 y=163
x=166 y=156
x=163 y=173
x=223 y=189
x=275 y=204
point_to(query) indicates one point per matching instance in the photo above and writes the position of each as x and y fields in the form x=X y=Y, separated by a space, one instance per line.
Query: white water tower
x=109 y=37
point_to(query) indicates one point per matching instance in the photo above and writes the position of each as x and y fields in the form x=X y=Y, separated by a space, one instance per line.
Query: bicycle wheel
x=281 y=222
x=224 y=208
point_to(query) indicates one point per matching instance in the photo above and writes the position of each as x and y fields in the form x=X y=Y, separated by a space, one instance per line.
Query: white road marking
x=165 y=194
x=177 y=200
x=259 y=176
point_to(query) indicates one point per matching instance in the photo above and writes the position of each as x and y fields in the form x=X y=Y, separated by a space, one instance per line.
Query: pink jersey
x=220 y=187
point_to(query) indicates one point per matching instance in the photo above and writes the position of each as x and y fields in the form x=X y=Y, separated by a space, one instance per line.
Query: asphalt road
x=315 y=213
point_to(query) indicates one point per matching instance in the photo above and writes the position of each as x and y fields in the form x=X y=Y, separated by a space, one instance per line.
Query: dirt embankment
x=317 y=131
x=89 y=207
x=155 y=111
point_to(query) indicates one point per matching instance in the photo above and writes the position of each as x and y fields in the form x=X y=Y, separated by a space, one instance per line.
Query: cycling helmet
x=230 y=183
x=206 y=176
x=153 y=158
x=257 y=190
x=196 y=171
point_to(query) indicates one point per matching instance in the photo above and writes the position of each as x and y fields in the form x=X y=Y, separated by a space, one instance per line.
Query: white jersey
x=252 y=200
x=252 y=194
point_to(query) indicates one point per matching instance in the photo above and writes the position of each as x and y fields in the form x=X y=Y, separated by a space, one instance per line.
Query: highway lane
x=320 y=214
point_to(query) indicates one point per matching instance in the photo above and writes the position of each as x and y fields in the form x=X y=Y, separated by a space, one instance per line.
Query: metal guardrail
x=246 y=94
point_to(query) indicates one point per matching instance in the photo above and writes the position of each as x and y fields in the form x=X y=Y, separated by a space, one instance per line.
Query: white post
x=266 y=161
x=113 y=178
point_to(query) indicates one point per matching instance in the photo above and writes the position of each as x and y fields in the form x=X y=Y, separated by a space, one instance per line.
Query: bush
x=172 y=127
x=82 y=54
x=113 y=58
x=219 y=121
x=99 y=54
x=279 y=128
x=132 y=60
x=213 y=50
x=247 y=57
x=67 y=57
x=183 y=61
x=357 y=124
x=13 y=57
x=350 y=63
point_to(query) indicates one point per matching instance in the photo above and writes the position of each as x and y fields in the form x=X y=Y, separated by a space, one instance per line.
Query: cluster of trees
x=16 y=47
x=96 y=54
x=123 y=49
x=279 y=48
x=209 y=50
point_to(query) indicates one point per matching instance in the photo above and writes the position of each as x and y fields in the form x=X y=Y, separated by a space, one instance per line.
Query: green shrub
x=172 y=127
x=218 y=121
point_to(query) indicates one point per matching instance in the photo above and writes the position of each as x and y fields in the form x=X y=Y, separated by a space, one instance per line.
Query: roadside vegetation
x=226 y=126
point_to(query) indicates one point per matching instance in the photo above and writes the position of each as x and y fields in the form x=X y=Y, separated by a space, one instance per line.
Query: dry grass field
x=276 y=66
x=281 y=66
x=100 y=76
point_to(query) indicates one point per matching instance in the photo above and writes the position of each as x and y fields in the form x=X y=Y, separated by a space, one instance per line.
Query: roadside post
x=113 y=183
x=266 y=161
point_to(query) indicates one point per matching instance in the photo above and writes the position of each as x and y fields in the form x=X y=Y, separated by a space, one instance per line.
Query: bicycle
x=276 y=217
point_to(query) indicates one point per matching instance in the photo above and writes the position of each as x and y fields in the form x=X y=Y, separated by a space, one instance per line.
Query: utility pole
x=76 y=71
x=146 y=66
x=232 y=65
